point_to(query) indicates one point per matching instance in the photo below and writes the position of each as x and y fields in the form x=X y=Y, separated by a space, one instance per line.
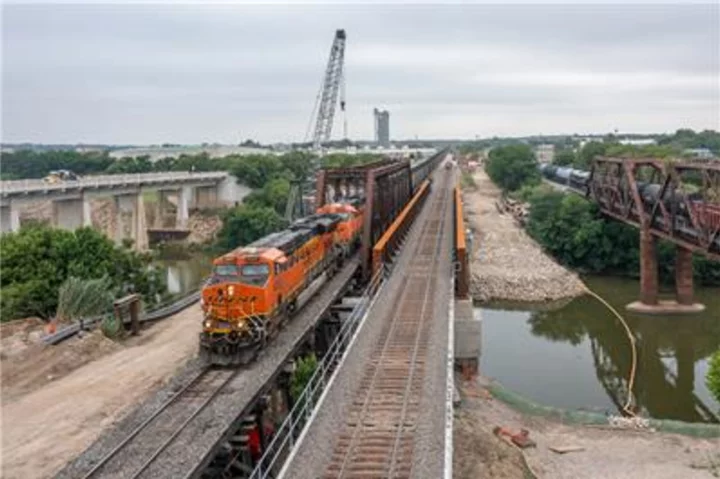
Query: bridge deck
x=384 y=414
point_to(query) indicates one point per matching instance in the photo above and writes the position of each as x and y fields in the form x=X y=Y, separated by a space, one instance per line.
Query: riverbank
x=606 y=452
x=506 y=263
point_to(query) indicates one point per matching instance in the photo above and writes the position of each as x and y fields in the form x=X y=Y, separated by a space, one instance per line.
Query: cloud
x=191 y=73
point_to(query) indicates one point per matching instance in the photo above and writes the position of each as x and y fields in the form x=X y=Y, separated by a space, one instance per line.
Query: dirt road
x=608 y=453
x=507 y=264
x=50 y=425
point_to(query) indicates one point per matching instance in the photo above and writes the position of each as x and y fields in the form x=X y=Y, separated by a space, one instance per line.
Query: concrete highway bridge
x=71 y=199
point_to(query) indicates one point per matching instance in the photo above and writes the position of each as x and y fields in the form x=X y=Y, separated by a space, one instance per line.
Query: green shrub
x=38 y=259
x=512 y=166
x=111 y=327
x=304 y=369
x=83 y=298
x=574 y=232
x=467 y=181
x=713 y=375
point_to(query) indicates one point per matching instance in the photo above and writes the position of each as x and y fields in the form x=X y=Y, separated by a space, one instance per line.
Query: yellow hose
x=633 y=348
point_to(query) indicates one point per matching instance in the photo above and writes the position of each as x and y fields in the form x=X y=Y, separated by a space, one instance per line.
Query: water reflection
x=184 y=276
x=672 y=354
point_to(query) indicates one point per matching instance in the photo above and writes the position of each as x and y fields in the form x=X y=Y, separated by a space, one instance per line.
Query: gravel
x=196 y=442
x=315 y=452
x=507 y=264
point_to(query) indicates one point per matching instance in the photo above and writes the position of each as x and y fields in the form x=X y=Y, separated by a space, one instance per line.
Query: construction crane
x=327 y=98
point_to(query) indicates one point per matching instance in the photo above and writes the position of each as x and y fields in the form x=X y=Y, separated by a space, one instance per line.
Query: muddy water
x=576 y=355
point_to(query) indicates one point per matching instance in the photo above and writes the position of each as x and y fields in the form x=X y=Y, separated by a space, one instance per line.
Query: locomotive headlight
x=231 y=290
x=208 y=323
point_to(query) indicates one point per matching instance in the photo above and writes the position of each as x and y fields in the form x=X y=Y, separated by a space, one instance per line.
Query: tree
x=255 y=170
x=299 y=163
x=574 y=232
x=245 y=224
x=37 y=164
x=38 y=259
x=512 y=166
x=589 y=151
x=274 y=195
x=564 y=158
x=713 y=375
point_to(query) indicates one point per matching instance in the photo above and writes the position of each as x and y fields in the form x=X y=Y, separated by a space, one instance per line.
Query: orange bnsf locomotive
x=255 y=288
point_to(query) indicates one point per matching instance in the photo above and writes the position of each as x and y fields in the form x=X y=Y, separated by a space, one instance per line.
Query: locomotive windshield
x=255 y=274
x=225 y=273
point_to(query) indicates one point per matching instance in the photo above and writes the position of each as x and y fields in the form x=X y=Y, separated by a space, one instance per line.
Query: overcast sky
x=194 y=73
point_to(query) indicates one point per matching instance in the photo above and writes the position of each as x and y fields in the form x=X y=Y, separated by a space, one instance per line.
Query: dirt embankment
x=57 y=400
x=507 y=264
x=606 y=452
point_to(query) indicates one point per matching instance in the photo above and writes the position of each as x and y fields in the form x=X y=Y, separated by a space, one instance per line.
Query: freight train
x=707 y=214
x=254 y=289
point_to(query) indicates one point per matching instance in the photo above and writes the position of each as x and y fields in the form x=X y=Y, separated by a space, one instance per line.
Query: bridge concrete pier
x=9 y=217
x=131 y=205
x=183 y=205
x=71 y=213
x=649 y=283
x=206 y=196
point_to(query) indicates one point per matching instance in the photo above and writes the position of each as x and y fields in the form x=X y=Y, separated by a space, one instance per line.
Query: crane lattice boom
x=331 y=85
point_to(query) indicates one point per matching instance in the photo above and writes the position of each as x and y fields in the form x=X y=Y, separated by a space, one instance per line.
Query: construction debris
x=634 y=422
x=506 y=263
x=521 y=439
x=566 y=449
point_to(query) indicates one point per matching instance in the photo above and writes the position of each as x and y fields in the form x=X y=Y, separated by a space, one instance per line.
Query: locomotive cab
x=237 y=291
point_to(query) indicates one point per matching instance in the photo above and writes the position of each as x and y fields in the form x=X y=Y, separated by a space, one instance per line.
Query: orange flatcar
x=254 y=289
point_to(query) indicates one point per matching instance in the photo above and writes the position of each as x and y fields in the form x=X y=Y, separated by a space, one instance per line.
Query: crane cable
x=633 y=368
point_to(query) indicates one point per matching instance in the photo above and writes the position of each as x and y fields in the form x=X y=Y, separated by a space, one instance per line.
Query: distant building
x=545 y=153
x=638 y=141
x=701 y=153
x=382 y=127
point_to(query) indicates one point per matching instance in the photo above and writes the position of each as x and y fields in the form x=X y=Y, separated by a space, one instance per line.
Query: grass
x=467 y=182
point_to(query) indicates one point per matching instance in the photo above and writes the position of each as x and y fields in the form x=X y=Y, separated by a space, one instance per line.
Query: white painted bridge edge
x=22 y=186
x=450 y=384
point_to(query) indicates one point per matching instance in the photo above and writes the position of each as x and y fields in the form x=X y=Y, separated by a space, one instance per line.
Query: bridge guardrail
x=19 y=186
x=155 y=314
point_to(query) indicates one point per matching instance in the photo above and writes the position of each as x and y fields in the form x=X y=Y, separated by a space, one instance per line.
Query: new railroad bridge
x=382 y=330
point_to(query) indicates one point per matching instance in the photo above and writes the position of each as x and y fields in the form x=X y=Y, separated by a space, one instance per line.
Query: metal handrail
x=159 y=311
x=296 y=420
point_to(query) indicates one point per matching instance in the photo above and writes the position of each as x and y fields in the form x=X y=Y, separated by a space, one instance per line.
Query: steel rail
x=184 y=425
x=151 y=419
x=144 y=424
x=357 y=432
x=413 y=363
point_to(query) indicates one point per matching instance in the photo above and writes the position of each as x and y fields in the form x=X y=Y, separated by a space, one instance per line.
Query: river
x=184 y=275
x=577 y=355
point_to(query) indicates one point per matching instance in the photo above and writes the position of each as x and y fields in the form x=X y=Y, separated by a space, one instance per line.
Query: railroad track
x=379 y=433
x=139 y=449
